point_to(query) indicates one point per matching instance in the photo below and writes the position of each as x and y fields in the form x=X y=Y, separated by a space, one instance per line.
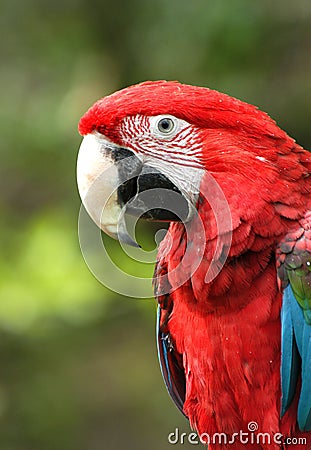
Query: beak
x=113 y=182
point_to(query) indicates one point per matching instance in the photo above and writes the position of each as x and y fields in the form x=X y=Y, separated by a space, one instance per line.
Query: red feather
x=228 y=330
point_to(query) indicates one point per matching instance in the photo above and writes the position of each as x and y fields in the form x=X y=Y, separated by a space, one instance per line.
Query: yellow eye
x=166 y=125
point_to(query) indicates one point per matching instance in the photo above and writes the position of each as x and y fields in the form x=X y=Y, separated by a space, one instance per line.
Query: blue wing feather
x=296 y=358
x=304 y=405
x=290 y=363
x=171 y=367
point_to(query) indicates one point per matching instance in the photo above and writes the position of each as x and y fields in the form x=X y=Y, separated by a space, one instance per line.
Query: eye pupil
x=165 y=125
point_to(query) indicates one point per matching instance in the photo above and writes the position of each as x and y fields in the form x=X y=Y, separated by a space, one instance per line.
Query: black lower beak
x=147 y=193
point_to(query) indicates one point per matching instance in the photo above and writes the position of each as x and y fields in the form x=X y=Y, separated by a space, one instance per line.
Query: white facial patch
x=169 y=144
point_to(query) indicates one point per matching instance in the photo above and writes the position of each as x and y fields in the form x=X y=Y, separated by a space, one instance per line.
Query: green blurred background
x=78 y=366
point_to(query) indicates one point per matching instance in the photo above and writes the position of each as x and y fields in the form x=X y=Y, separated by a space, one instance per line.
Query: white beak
x=98 y=182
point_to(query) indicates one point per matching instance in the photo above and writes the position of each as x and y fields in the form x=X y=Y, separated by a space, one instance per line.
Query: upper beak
x=113 y=181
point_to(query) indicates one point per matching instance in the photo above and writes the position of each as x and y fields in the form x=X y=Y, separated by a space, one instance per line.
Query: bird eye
x=166 y=125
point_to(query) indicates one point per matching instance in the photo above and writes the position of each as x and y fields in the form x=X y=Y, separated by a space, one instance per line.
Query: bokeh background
x=78 y=365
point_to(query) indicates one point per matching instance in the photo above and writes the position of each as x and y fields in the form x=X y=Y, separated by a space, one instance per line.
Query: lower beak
x=113 y=182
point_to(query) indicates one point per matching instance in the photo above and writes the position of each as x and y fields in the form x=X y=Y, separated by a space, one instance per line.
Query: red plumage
x=227 y=331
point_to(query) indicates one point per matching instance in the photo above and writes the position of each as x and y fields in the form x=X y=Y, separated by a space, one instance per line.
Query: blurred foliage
x=78 y=362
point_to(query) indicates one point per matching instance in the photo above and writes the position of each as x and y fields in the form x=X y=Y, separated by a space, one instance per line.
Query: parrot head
x=147 y=148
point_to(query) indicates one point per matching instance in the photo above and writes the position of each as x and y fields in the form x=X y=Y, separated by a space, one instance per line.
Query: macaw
x=233 y=273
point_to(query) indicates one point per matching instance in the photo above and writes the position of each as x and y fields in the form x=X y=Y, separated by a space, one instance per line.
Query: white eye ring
x=166 y=125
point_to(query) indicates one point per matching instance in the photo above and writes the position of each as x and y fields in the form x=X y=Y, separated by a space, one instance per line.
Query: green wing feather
x=294 y=264
x=298 y=268
x=294 y=276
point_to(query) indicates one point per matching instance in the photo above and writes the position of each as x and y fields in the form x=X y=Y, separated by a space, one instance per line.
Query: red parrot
x=233 y=273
